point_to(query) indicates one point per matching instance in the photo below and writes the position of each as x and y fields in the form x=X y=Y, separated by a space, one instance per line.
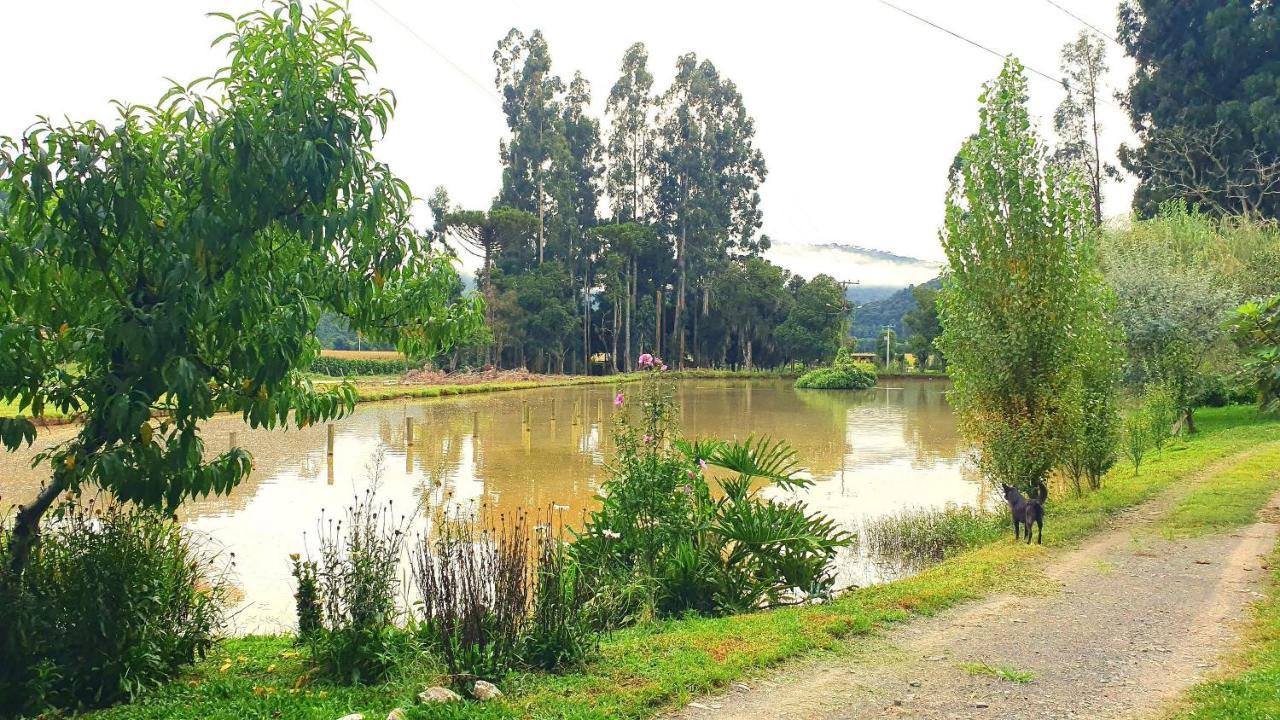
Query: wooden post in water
x=475 y=424
x=408 y=432
x=577 y=412
x=553 y=409
x=330 y=446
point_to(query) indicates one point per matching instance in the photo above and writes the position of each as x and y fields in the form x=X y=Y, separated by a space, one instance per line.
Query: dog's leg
x=1040 y=530
x=1027 y=525
x=1017 y=534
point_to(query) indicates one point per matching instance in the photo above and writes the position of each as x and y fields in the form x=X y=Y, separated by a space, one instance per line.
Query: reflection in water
x=870 y=453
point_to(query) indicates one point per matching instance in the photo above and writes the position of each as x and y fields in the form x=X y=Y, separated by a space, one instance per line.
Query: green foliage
x=179 y=259
x=1204 y=104
x=1256 y=329
x=112 y=603
x=1161 y=412
x=560 y=633
x=818 y=321
x=924 y=328
x=1084 y=66
x=1137 y=437
x=356 y=581
x=1093 y=445
x=843 y=374
x=351 y=367
x=661 y=526
x=1176 y=278
x=1020 y=291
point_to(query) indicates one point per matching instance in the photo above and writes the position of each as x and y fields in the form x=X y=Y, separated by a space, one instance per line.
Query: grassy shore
x=641 y=670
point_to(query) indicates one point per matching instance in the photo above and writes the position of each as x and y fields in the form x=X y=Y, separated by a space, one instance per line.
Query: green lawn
x=642 y=670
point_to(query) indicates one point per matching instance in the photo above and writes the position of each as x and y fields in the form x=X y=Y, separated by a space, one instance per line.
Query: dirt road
x=1127 y=621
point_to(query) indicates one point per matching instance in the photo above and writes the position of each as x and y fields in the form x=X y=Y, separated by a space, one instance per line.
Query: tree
x=709 y=173
x=536 y=175
x=1172 y=298
x=1255 y=327
x=1203 y=102
x=924 y=327
x=631 y=110
x=817 y=322
x=176 y=265
x=751 y=295
x=1084 y=65
x=1020 y=285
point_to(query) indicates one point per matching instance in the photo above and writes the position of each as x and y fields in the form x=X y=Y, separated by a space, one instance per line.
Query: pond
x=869 y=453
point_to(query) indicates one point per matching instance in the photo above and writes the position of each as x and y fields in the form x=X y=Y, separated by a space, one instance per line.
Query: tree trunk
x=26 y=526
x=630 y=302
x=586 y=322
x=677 y=330
x=613 y=357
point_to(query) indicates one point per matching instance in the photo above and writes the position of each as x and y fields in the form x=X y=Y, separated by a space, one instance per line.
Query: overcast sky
x=859 y=109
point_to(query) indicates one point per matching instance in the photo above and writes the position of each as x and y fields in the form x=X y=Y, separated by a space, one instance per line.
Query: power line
x=1060 y=82
x=1084 y=22
x=486 y=90
x=975 y=43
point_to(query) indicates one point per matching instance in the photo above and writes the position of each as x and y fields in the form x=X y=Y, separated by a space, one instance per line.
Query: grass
x=1232 y=500
x=363 y=354
x=917 y=537
x=642 y=670
x=1003 y=672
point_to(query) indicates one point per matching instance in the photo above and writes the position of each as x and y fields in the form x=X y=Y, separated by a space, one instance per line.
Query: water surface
x=869 y=453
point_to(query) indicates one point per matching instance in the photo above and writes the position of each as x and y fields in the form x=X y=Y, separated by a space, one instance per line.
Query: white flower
x=611 y=534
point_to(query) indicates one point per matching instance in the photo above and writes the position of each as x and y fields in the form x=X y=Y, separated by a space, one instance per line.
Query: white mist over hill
x=877 y=272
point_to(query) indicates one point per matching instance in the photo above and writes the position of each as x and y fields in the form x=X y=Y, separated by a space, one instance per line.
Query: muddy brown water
x=869 y=453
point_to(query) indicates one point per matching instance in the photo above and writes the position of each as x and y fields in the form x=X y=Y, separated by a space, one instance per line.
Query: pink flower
x=645 y=360
x=702 y=463
x=648 y=439
x=617 y=401
x=691 y=476
x=664 y=367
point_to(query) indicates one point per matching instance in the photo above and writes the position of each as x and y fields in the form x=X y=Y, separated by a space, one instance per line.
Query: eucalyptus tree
x=709 y=174
x=923 y=324
x=630 y=109
x=536 y=159
x=1021 y=287
x=624 y=245
x=1084 y=65
x=751 y=295
x=174 y=263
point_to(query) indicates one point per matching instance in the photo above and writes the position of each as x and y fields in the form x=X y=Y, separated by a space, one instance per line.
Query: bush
x=662 y=536
x=843 y=374
x=347 y=611
x=473 y=585
x=1137 y=437
x=560 y=633
x=917 y=537
x=1160 y=408
x=351 y=367
x=111 y=603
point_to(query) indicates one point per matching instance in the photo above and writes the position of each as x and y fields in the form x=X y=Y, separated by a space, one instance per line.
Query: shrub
x=1161 y=410
x=112 y=602
x=473 y=585
x=914 y=538
x=348 y=367
x=661 y=533
x=560 y=631
x=1137 y=437
x=349 y=624
x=843 y=374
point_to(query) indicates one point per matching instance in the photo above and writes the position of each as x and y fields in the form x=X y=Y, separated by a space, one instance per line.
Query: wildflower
x=610 y=534
x=664 y=366
x=647 y=439
x=688 y=489
x=691 y=475
x=702 y=463
x=646 y=360
x=617 y=400
x=559 y=507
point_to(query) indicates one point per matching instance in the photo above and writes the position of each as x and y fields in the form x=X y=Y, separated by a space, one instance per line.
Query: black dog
x=1026 y=511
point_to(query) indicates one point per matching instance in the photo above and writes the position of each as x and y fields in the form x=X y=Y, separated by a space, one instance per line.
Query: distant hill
x=870 y=318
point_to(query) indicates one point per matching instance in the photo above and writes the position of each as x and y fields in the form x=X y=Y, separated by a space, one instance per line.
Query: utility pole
x=887 y=330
